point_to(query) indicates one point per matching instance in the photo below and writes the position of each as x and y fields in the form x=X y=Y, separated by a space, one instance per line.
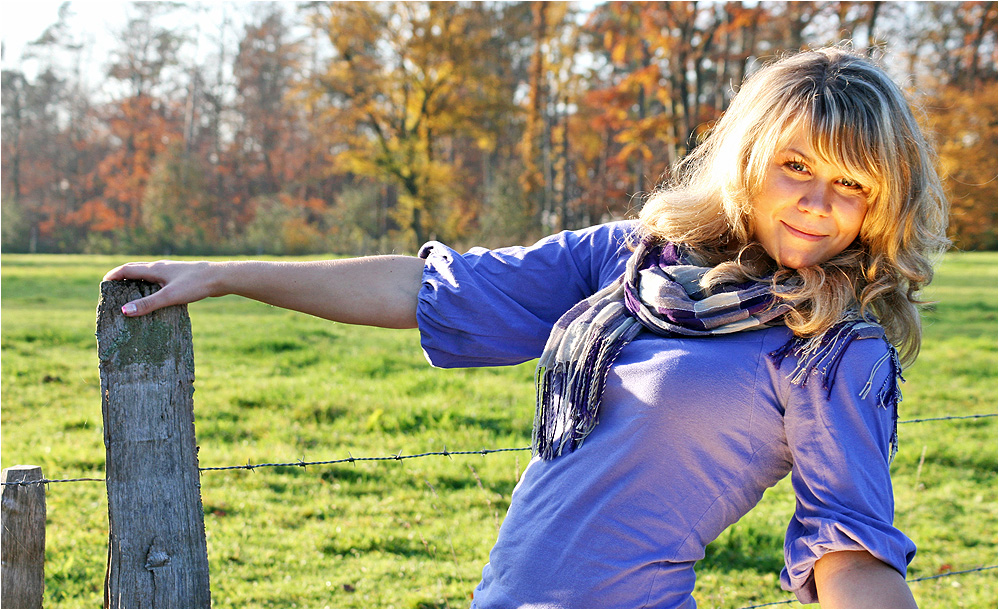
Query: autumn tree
x=956 y=85
x=404 y=79
x=535 y=143
x=19 y=229
x=47 y=132
x=141 y=124
x=493 y=167
x=660 y=68
x=175 y=204
x=265 y=140
x=276 y=164
x=553 y=85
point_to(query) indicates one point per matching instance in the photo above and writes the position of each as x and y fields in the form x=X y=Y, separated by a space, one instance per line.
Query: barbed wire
x=982 y=569
x=945 y=574
x=302 y=463
x=351 y=459
x=47 y=481
x=768 y=604
x=916 y=421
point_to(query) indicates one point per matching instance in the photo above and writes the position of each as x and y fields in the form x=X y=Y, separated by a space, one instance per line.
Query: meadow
x=276 y=386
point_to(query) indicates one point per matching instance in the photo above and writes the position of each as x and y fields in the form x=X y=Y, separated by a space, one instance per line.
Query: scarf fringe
x=569 y=392
x=823 y=354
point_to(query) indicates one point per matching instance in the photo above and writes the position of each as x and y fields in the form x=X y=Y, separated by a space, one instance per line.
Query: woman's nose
x=816 y=199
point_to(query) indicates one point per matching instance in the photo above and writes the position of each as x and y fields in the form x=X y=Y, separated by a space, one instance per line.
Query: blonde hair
x=855 y=117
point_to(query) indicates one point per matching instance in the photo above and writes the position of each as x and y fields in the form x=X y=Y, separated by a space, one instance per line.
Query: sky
x=24 y=21
x=97 y=23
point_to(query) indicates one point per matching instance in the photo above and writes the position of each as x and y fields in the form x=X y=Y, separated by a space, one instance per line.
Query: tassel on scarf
x=822 y=355
x=568 y=395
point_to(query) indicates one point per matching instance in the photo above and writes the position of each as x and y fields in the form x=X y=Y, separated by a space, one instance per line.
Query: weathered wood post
x=157 y=556
x=23 y=538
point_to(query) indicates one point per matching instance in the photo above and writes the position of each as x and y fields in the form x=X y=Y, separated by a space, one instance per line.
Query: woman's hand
x=374 y=291
x=180 y=283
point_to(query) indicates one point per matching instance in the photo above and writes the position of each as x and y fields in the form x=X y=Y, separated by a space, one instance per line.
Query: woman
x=745 y=327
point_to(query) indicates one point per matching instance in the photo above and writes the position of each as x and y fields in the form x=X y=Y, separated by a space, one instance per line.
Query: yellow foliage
x=408 y=76
x=965 y=125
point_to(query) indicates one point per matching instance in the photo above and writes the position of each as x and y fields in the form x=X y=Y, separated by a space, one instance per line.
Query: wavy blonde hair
x=855 y=117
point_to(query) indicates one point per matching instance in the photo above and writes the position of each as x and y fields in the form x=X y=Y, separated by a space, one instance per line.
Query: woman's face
x=808 y=210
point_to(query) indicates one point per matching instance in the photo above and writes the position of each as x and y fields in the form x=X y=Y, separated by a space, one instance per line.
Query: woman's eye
x=851 y=184
x=796 y=166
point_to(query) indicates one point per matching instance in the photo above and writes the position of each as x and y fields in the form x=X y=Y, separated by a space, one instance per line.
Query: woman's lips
x=802 y=234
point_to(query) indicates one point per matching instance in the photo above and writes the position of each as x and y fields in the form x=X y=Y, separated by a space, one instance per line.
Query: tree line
x=352 y=127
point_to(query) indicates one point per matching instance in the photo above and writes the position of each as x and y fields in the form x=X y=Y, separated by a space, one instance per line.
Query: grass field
x=274 y=386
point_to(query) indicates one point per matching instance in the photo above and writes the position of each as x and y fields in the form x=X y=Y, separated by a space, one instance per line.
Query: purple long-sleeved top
x=692 y=432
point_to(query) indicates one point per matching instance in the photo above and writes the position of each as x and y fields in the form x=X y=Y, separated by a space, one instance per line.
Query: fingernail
x=128 y=309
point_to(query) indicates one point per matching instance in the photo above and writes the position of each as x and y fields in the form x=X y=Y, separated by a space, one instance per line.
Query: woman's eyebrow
x=795 y=151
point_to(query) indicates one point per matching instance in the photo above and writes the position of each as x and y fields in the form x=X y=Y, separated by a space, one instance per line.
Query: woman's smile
x=808 y=235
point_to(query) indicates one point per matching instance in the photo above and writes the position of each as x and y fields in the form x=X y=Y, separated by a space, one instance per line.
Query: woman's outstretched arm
x=374 y=291
x=857 y=579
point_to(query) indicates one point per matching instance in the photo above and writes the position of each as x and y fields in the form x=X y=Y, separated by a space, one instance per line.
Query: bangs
x=850 y=135
x=856 y=145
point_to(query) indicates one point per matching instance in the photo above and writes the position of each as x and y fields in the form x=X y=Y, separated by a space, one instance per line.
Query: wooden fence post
x=23 y=539
x=157 y=556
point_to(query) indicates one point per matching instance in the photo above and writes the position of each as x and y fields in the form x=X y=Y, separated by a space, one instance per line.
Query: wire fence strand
x=47 y=481
x=916 y=421
x=352 y=459
x=398 y=457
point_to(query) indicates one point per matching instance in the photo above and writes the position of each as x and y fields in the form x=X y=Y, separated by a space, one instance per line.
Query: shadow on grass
x=745 y=548
x=400 y=546
x=499 y=426
x=335 y=474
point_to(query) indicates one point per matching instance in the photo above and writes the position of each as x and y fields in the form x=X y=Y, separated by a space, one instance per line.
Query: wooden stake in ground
x=23 y=581
x=157 y=556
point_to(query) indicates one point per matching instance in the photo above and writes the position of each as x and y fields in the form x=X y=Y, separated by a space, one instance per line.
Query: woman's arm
x=857 y=579
x=375 y=291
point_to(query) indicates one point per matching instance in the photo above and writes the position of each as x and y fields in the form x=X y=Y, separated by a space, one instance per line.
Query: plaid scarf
x=659 y=291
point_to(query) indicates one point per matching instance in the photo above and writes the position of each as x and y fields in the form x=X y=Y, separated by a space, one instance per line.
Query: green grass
x=274 y=386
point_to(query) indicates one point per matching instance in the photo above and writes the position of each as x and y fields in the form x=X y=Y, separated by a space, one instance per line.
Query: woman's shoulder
x=851 y=362
x=614 y=236
x=600 y=252
x=822 y=356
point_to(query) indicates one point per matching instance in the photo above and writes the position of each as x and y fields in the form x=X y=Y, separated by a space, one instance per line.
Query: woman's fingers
x=141 y=307
x=137 y=271
x=180 y=283
x=118 y=273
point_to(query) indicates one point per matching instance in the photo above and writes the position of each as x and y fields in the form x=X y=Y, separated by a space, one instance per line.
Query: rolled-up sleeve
x=840 y=441
x=497 y=307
